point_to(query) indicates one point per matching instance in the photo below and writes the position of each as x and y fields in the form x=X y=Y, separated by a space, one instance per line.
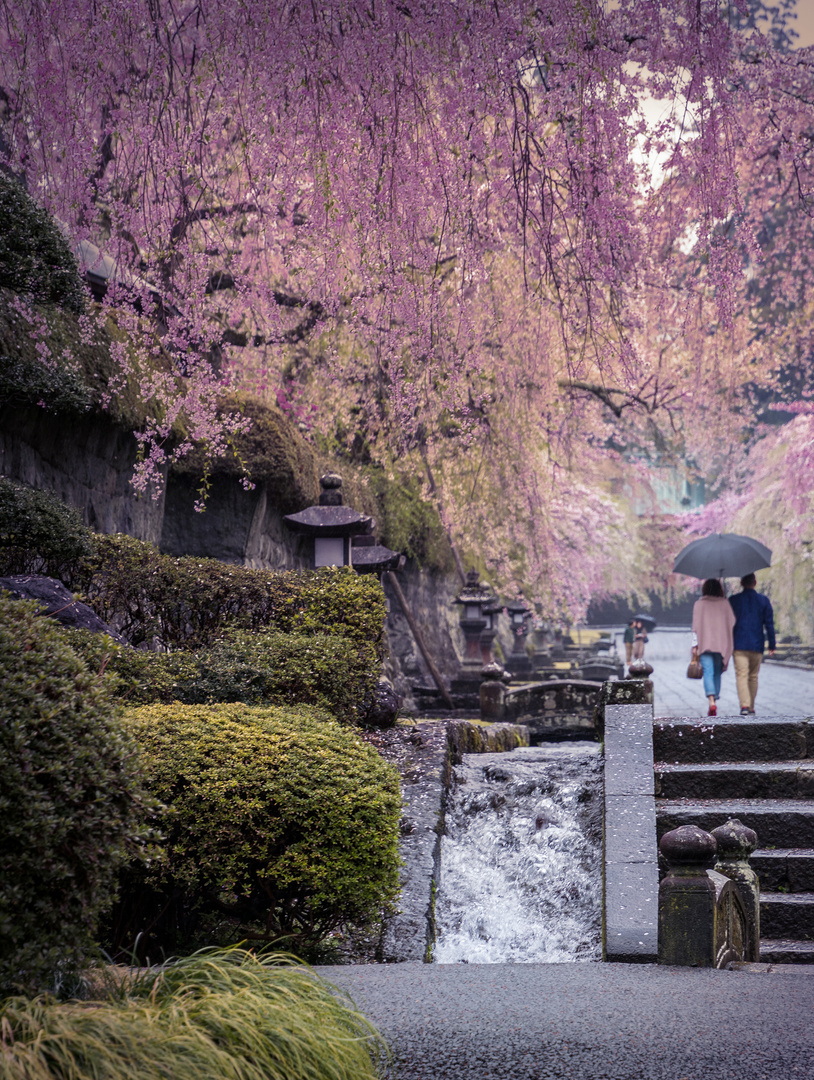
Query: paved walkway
x=782 y=691
x=586 y=1021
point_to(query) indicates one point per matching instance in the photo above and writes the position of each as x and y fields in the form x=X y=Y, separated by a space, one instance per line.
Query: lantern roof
x=330 y=517
x=473 y=592
x=374 y=557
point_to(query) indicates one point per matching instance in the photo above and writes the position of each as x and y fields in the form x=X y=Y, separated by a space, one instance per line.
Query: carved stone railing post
x=730 y=921
x=736 y=842
x=687 y=899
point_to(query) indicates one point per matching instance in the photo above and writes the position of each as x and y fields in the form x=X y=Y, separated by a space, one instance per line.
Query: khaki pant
x=747 y=664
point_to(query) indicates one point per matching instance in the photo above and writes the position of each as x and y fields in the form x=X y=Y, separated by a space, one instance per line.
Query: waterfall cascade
x=521 y=859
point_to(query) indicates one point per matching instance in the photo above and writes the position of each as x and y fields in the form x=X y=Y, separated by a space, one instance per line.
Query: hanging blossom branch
x=382 y=164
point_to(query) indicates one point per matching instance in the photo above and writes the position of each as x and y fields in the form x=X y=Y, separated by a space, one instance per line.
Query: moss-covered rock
x=471 y=737
x=35 y=258
x=272 y=453
x=79 y=372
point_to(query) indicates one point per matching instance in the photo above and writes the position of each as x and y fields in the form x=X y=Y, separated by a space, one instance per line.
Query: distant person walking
x=712 y=644
x=754 y=622
x=639 y=640
x=628 y=638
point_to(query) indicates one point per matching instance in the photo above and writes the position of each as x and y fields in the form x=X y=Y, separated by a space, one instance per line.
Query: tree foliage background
x=447 y=234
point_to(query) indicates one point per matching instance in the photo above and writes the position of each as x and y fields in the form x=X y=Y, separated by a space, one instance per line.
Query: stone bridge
x=562 y=707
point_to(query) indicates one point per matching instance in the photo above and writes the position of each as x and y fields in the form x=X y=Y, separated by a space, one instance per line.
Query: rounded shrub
x=72 y=808
x=35 y=258
x=279 y=816
x=188 y=602
x=39 y=534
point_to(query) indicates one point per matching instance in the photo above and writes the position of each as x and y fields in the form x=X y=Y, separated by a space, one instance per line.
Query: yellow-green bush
x=72 y=808
x=220 y=1015
x=280 y=818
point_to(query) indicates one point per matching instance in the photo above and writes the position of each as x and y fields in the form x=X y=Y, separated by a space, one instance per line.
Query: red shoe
x=713 y=710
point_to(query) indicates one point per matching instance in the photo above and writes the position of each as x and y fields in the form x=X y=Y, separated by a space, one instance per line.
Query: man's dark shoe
x=746 y=712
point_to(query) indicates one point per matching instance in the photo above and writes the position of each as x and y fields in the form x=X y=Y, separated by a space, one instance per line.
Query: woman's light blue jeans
x=712 y=664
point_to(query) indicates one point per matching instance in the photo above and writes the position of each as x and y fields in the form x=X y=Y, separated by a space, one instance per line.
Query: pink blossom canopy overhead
x=464 y=186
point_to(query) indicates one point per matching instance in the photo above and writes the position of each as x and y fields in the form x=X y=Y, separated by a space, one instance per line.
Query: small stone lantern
x=518 y=662
x=472 y=598
x=330 y=524
x=491 y=612
x=368 y=557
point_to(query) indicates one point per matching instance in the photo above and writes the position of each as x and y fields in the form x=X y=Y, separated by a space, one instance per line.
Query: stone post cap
x=735 y=840
x=492 y=672
x=640 y=669
x=688 y=846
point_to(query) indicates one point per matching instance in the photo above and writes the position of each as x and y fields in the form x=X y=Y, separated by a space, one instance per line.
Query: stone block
x=630 y=829
x=631 y=912
x=786 y=915
x=732 y=739
x=800 y=872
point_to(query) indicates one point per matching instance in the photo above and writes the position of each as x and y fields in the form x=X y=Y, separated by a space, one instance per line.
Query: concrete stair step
x=733 y=738
x=787 y=915
x=735 y=779
x=787 y=869
x=786 y=951
x=776 y=821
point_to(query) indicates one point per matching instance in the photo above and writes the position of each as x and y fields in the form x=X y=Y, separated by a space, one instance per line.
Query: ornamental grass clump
x=211 y=1016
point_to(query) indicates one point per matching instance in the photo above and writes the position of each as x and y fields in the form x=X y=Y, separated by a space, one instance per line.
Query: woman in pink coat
x=712 y=622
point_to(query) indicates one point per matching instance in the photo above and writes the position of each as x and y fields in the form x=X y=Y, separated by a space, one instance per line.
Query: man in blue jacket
x=754 y=622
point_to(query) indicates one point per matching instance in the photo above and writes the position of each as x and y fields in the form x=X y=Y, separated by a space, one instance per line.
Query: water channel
x=521 y=860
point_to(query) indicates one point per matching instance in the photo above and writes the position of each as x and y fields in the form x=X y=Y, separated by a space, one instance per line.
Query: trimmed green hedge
x=187 y=603
x=72 y=808
x=39 y=534
x=268 y=668
x=280 y=817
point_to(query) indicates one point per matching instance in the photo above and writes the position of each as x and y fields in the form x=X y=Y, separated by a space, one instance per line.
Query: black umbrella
x=722 y=555
x=647 y=621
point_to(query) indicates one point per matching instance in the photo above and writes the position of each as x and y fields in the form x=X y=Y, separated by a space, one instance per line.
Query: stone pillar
x=492 y=694
x=736 y=842
x=687 y=899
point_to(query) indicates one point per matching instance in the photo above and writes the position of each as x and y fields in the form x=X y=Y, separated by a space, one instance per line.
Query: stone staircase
x=761 y=771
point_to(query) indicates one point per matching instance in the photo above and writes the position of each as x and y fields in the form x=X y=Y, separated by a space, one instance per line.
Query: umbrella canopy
x=647 y=621
x=722 y=555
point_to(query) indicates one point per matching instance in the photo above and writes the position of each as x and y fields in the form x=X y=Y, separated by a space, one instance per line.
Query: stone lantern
x=472 y=598
x=331 y=525
x=491 y=613
x=518 y=662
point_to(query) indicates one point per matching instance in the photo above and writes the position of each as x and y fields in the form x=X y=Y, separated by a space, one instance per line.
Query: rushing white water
x=521 y=868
